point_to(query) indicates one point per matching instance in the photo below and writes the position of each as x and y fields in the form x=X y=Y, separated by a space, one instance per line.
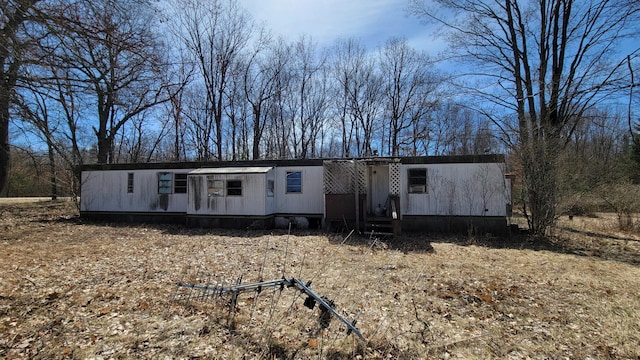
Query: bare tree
x=308 y=98
x=14 y=40
x=407 y=83
x=280 y=129
x=547 y=61
x=262 y=72
x=237 y=111
x=174 y=109
x=364 y=102
x=215 y=33
x=111 y=56
x=34 y=109
x=356 y=95
x=198 y=125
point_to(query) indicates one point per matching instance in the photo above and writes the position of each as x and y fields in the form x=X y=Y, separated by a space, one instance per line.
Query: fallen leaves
x=92 y=290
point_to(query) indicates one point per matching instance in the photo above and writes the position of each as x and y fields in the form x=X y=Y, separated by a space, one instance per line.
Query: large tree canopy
x=546 y=62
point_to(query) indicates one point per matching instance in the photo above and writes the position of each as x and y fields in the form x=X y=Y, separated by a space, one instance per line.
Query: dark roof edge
x=454 y=159
x=448 y=159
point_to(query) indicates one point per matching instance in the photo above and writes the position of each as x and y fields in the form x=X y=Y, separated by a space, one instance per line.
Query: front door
x=379 y=187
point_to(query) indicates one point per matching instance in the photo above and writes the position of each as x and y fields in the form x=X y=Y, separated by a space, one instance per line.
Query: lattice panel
x=363 y=177
x=394 y=179
x=338 y=177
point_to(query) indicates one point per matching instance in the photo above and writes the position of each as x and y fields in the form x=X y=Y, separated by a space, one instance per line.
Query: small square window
x=165 y=183
x=214 y=187
x=417 y=181
x=294 y=181
x=130 y=183
x=180 y=183
x=234 y=187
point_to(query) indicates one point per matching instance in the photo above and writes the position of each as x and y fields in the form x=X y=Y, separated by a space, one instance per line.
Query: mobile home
x=442 y=193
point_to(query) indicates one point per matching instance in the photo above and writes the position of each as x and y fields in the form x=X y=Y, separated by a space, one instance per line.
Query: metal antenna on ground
x=219 y=290
x=326 y=306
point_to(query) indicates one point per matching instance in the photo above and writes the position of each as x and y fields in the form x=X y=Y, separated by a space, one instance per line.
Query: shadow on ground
x=602 y=246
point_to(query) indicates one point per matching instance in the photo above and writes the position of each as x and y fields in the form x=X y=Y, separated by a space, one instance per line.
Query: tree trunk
x=52 y=171
x=104 y=146
x=540 y=183
x=4 y=136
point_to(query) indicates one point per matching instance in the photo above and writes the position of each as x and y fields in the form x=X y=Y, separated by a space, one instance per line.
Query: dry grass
x=70 y=289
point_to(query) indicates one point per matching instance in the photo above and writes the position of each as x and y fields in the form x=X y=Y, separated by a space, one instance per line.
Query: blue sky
x=371 y=21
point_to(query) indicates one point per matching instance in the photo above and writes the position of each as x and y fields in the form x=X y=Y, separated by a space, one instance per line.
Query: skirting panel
x=231 y=222
x=478 y=225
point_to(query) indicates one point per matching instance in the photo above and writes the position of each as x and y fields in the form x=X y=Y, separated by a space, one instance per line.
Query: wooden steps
x=381 y=226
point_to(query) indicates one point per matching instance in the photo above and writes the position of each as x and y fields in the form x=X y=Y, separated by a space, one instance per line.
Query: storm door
x=379 y=192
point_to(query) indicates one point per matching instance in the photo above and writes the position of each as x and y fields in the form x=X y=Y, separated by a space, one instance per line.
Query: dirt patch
x=71 y=289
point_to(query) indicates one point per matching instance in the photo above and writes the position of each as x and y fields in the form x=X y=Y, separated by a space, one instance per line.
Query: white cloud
x=372 y=21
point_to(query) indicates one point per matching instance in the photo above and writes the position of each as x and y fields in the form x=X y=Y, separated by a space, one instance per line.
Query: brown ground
x=70 y=289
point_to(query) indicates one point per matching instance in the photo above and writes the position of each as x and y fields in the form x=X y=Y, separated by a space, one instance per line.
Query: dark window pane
x=294 y=182
x=130 y=183
x=234 y=187
x=180 y=183
x=417 y=180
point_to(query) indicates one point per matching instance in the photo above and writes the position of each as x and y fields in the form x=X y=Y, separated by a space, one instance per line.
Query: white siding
x=452 y=189
x=251 y=202
x=458 y=189
x=309 y=201
x=106 y=190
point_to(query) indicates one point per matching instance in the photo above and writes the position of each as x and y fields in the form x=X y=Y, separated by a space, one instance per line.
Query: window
x=417 y=181
x=270 y=188
x=294 y=181
x=234 y=187
x=180 y=183
x=165 y=183
x=130 y=183
x=214 y=187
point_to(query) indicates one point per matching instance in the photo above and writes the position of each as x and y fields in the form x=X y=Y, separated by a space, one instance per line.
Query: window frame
x=293 y=188
x=417 y=183
x=180 y=185
x=212 y=180
x=130 y=183
x=236 y=187
x=166 y=184
x=271 y=188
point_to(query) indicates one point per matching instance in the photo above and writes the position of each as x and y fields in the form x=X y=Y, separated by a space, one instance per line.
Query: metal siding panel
x=460 y=189
x=216 y=205
x=197 y=194
x=101 y=191
x=148 y=199
x=310 y=201
x=252 y=201
x=107 y=191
